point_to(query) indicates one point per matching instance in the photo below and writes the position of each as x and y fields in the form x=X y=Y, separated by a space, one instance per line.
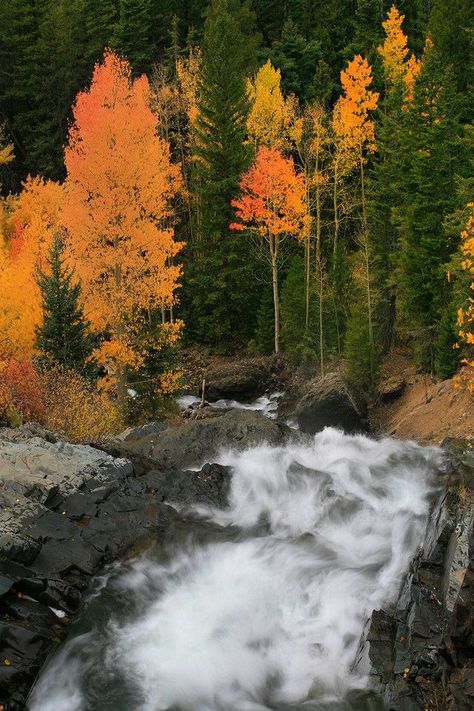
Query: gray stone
x=329 y=403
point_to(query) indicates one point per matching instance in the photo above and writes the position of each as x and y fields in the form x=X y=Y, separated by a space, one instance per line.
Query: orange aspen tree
x=271 y=113
x=465 y=318
x=355 y=137
x=399 y=68
x=117 y=204
x=272 y=205
x=32 y=218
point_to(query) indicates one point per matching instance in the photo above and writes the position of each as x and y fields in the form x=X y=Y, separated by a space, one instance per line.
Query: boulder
x=329 y=403
x=244 y=380
x=198 y=441
x=391 y=389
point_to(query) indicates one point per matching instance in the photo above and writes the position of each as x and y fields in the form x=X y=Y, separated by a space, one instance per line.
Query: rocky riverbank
x=66 y=510
x=421 y=652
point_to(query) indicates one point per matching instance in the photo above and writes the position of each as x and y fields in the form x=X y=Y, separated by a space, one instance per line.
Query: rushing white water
x=271 y=617
x=266 y=404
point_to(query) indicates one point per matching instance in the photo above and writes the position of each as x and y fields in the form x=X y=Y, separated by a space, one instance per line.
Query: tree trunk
x=319 y=275
x=307 y=264
x=367 y=263
x=336 y=218
x=273 y=241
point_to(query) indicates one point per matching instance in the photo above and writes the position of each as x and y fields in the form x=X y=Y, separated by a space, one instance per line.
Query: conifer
x=64 y=335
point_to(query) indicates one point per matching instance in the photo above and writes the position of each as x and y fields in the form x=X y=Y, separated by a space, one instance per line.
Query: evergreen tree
x=64 y=335
x=451 y=28
x=434 y=155
x=99 y=20
x=132 y=34
x=299 y=60
x=217 y=296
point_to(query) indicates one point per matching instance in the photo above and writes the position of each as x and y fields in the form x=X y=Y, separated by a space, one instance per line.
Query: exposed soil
x=427 y=410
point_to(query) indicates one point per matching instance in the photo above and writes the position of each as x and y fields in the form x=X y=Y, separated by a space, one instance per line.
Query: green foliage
x=132 y=34
x=148 y=401
x=217 y=298
x=361 y=357
x=434 y=154
x=446 y=347
x=451 y=27
x=64 y=336
x=264 y=339
x=297 y=59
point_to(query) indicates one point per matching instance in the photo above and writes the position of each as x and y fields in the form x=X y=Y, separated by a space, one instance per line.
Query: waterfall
x=268 y=611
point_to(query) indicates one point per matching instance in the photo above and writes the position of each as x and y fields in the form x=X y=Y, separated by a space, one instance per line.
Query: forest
x=291 y=178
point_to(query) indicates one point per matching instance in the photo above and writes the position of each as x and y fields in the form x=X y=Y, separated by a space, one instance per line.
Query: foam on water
x=275 y=617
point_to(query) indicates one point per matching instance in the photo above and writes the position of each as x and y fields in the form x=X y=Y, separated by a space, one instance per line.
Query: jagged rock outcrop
x=198 y=441
x=421 y=653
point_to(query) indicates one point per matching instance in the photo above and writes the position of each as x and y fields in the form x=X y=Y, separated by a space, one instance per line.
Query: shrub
x=21 y=395
x=77 y=409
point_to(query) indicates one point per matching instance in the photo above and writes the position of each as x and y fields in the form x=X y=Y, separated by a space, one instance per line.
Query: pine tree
x=217 y=300
x=132 y=34
x=451 y=28
x=434 y=152
x=64 y=335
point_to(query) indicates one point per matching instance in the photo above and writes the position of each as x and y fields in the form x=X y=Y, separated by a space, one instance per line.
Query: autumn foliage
x=353 y=127
x=31 y=221
x=21 y=392
x=272 y=206
x=60 y=399
x=399 y=66
x=466 y=312
x=117 y=207
x=272 y=201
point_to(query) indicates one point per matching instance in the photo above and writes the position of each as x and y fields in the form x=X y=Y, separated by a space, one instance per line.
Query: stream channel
x=261 y=605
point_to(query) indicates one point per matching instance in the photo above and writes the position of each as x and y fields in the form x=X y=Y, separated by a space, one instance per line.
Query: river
x=261 y=605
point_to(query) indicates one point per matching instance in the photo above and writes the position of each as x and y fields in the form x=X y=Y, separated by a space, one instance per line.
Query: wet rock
x=211 y=485
x=244 y=380
x=197 y=441
x=329 y=403
x=422 y=652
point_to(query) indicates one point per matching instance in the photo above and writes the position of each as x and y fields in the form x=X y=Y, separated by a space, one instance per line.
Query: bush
x=77 y=409
x=21 y=394
x=61 y=400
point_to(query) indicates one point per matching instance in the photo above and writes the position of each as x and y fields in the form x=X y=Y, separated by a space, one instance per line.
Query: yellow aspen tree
x=271 y=113
x=399 y=68
x=272 y=206
x=30 y=222
x=118 y=200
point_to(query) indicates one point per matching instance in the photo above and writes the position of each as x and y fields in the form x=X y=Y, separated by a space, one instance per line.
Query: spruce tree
x=133 y=33
x=217 y=296
x=434 y=155
x=64 y=335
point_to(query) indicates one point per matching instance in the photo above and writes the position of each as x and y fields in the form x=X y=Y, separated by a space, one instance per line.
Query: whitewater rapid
x=270 y=613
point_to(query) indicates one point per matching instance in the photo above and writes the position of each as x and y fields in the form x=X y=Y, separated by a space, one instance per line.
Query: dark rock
x=422 y=653
x=244 y=380
x=5 y=584
x=329 y=403
x=197 y=441
x=209 y=486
